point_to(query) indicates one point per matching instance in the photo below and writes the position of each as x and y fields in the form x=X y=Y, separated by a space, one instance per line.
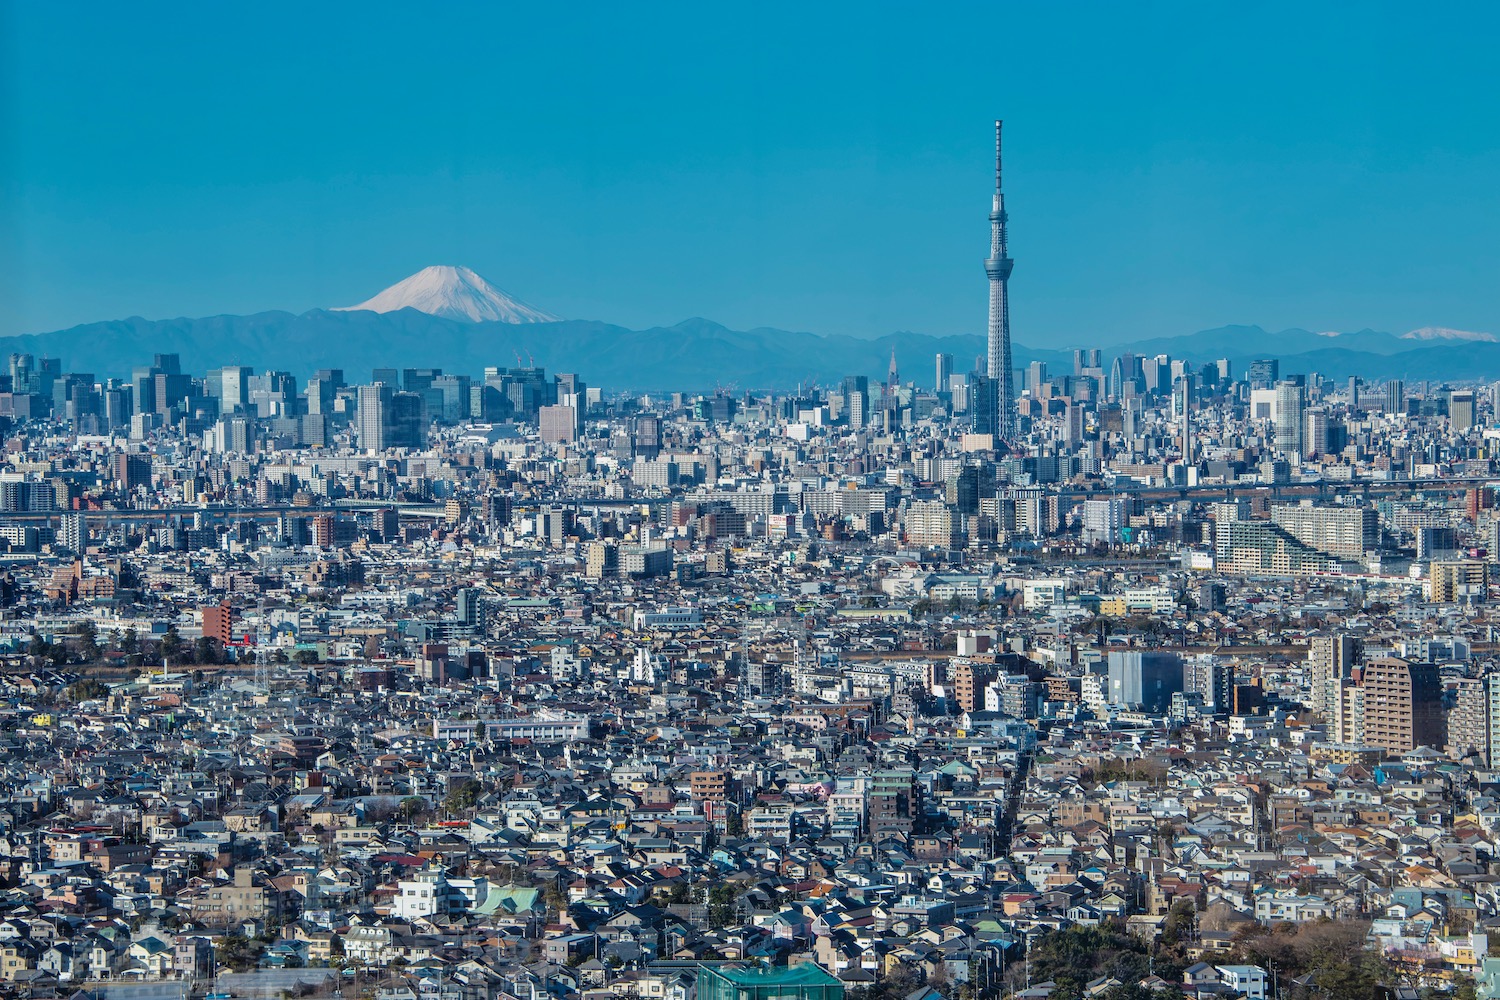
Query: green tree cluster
x=87 y=689
x=463 y=795
x=721 y=905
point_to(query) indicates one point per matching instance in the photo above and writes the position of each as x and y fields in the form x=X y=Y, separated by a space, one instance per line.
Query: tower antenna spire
x=999 y=388
x=998 y=124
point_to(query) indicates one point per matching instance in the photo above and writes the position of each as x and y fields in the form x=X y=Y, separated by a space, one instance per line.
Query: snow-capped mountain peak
x=453 y=293
x=1443 y=333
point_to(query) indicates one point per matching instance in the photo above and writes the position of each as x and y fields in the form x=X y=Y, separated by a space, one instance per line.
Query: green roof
x=806 y=974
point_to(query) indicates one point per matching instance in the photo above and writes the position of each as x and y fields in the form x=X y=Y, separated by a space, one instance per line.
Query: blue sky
x=824 y=167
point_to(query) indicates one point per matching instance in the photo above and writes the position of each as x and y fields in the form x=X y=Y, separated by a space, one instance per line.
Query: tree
x=721 y=905
x=463 y=796
x=239 y=952
x=1135 y=991
x=171 y=643
x=87 y=689
x=88 y=641
x=208 y=650
x=1217 y=917
x=1333 y=952
x=1080 y=954
x=412 y=807
x=1179 y=922
x=898 y=984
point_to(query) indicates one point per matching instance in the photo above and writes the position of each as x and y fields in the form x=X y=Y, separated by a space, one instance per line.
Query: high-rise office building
x=1286 y=415
x=1036 y=374
x=1182 y=410
x=1395 y=396
x=1072 y=424
x=1315 y=431
x=233 y=388
x=132 y=471
x=856 y=395
x=944 y=372
x=1086 y=359
x=645 y=436
x=1462 y=409
x=984 y=405
x=370 y=405
x=406 y=418
x=997 y=267
x=1263 y=373
x=386 y=419
x=558 y=424
x=468 y=604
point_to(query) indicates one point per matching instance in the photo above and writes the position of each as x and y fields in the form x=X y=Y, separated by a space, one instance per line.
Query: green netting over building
x=804 y=982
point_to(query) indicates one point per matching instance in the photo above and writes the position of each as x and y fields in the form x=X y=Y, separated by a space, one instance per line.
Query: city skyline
x=1182 y=187
x=391 y=627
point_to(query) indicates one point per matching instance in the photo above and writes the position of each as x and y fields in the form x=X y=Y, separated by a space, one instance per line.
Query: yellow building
x=1463 y=580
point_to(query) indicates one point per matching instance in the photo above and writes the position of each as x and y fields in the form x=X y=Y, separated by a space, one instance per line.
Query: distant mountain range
x=451 y=318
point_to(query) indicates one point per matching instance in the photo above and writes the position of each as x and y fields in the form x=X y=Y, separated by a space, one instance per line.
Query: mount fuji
x=455 y=293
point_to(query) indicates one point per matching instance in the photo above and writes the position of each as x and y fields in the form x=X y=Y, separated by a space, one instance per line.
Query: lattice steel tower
x=997 y=266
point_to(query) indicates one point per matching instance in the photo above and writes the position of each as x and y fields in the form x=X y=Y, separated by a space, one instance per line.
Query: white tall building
x=1103 y=521
x=1315 y=431
x=72 y=532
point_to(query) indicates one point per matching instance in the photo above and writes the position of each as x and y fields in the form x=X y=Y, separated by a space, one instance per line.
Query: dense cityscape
x=503 y=685
x=464 y=672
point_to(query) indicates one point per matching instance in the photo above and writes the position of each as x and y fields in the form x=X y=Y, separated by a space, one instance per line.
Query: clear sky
x=810 y=166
